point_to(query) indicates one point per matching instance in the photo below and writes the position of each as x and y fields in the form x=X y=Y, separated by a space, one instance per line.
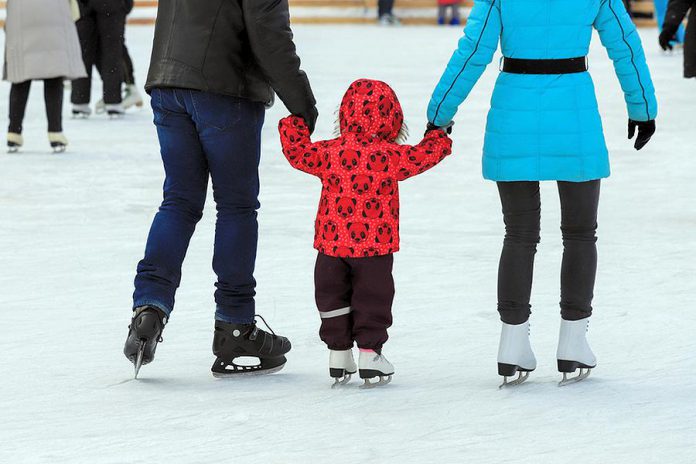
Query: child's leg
x=333 y=295
x=456 y=15
x=373 y=294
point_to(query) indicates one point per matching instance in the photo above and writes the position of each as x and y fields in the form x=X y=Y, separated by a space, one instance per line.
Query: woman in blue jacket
x=544 y=125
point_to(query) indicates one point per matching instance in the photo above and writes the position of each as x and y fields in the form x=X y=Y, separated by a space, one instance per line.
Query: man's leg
x=522 y=215
x=333 y=292
x=87 y=31
x=159 y=273
x=230 y=133
x=579 y=205
x=111 y=23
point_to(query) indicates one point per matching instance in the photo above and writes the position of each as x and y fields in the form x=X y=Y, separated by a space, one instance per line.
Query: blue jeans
x=205 y=135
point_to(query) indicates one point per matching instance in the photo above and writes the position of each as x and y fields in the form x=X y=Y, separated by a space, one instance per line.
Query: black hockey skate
x=144 y=333
x=234 y=341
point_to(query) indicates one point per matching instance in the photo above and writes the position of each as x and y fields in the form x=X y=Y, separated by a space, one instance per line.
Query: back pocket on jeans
x=219 y=112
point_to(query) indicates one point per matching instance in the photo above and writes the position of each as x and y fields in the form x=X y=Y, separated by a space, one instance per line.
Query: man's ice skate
x=515 y=355
x=14 y=142
x=58 y=141
x=234 y=342
x=574 y=352
x=341 y=367
x=144 y=333
x=132 y=97
x=372 y=365
x=115 y=110
x=81 y=111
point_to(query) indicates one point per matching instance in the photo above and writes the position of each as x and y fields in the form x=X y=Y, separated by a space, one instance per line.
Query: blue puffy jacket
x=545 y=127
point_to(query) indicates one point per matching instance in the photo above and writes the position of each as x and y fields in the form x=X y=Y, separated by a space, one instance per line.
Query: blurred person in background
x=131 y=96
x=453 y=5
x=661 y=14
x=101 y=27
x=676 y=12
x=385 y=13
x=41 y=44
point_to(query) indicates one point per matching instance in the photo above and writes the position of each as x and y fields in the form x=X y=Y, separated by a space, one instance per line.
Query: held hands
x=310 y=118
x=446 y=129
x=646 y=129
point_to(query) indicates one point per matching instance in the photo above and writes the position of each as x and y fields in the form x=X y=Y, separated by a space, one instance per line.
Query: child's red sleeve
x=413 y=160
x=298 y=148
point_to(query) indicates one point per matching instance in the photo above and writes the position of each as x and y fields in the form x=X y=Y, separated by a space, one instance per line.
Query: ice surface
x=73 y=226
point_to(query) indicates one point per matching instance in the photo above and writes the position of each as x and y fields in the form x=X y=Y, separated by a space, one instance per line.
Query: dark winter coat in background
x=241 y=48
x=676 y=12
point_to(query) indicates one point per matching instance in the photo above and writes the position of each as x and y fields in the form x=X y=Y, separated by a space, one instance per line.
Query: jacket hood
x=371 y=109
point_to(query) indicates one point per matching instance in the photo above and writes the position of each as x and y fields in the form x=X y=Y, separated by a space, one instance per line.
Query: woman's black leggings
x=53 y=96
x=522 y=214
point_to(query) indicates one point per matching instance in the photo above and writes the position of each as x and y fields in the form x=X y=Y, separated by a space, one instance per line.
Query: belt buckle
x=500 y=64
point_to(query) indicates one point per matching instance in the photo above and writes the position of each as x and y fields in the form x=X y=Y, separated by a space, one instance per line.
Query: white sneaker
x=515 y=353
x=132 y=97
x=14 y=142
x=573 y=350
x=342 y=366
x=371 y=365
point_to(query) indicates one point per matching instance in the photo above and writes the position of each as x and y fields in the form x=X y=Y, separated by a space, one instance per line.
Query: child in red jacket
x=357 y=225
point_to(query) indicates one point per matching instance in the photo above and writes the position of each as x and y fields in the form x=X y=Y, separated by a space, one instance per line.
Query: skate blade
x=578 y=378
x=383 y=380
x=139 y=358
x=59 y=149
x=80 y=116
x=247 y=373
x=12 y=150
x=340 y=382
x=521 y=378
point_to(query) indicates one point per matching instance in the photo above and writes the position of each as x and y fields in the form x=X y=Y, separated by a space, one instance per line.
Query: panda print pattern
x=358 y=213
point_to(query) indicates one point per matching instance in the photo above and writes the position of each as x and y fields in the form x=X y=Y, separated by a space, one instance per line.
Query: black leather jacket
x=242 y=48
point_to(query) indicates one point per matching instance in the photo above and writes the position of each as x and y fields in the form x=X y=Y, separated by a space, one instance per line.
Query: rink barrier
x=411 y=12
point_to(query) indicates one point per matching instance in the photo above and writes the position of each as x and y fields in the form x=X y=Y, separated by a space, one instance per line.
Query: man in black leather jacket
x=215 y=67
x=676 y=12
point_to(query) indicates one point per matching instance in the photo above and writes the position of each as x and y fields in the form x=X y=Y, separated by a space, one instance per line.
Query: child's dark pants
x=522 y=212
x=354 y=297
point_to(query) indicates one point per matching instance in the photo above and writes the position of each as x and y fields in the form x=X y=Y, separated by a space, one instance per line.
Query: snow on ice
x=73 y=226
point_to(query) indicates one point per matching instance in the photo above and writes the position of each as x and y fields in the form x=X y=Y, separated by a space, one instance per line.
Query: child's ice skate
x=574 y=352
x=14 y=142
x=373 y=364
x=515 y=355
x=341 y=367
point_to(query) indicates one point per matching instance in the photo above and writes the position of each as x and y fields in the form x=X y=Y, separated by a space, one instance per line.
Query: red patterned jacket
x=359 y=208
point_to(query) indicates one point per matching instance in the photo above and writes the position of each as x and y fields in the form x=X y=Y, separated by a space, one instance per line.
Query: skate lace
x=265 y=323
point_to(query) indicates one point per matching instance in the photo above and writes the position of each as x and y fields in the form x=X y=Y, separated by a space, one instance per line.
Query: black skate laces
x=264 y=323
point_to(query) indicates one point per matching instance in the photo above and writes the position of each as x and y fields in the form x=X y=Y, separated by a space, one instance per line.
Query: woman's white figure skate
x=14 y=142
x=58 y=142
x=574 y=352
x=373 y=365
x=515 y=355
x=341 y=367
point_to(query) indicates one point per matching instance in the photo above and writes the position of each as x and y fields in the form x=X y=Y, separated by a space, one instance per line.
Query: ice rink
x=73 y=227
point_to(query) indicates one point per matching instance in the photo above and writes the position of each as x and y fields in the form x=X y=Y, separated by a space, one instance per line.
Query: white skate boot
x=515 y=355
x=81 y=111
x=115 y=110
x=14 y=142
x=341 y=367
x=372 y=365
x=58 y=141
x=132 y=97
x=100 y=107
x=574 y=352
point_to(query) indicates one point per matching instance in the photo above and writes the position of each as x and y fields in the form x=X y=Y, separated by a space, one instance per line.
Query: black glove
x=310 y=118
x=447 y=129
x=666 y=37
x=646 y=129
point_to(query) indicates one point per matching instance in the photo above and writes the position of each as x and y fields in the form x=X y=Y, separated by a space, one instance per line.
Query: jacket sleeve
x=298 y=148
x=475 y=52
x=413 y=160
x=620 y=37
x=676 y=12
x=271 y=39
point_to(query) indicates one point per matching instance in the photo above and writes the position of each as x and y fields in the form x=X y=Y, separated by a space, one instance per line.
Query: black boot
x=232 y=341
x=144 y=333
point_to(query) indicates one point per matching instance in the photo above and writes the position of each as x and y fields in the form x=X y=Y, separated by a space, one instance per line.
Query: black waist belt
x=564 y=66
